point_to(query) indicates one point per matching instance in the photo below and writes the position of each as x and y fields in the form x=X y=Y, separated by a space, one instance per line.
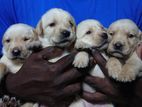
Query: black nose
x=16 y=52
x=104 y=36
x=118 y=46
x=65 y=33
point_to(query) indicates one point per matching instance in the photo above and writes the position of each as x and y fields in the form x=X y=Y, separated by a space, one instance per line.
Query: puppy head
x=125 y=36
x=91 y=34
x=57 y=27
x=15 y=41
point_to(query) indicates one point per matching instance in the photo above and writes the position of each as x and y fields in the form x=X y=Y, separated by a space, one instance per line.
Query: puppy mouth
x=18 y=58
x=62 y=41
x=118 y=54
x=21 y=57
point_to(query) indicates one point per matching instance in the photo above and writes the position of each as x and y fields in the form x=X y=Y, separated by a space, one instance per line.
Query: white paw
x=126 y=77
x=113 y=73
x=81 y=60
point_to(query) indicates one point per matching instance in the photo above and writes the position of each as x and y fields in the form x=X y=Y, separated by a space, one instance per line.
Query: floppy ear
x=34 y=32
x=139 y=38
x=3 y=38
x=72 y=21
x=140 y=35
x=39 y=28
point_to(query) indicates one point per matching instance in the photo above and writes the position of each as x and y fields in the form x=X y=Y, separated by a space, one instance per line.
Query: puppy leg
x=114 y=67
x=3 y=70
x=81 y=60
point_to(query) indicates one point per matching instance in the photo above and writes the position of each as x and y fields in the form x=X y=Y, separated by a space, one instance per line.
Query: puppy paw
x=34 y=46
x=114 y=67
x=125 y=78
x=127 y=75
x=81 y=60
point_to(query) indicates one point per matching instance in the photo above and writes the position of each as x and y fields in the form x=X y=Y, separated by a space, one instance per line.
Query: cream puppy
x=57 y=28
x=90 y=34
x=124 y=65
x=17 y=40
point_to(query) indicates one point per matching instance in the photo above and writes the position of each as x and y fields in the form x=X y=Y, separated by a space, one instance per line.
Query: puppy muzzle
x=118 y=46
x=19 y=54
x=65 y=34
x=64 y=37
x=16 y=52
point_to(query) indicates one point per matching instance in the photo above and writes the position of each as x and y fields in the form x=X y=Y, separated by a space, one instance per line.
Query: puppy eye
x=26 y=39
x=88 y=32
x=7 y=40
x=131 y=35
x=52 y=24
x=111 y=33
x=71 y=23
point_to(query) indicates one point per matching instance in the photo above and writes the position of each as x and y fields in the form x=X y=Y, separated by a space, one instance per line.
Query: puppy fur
x=90 y=34
x=124 y=65
x=57 y=28
x=17 y=40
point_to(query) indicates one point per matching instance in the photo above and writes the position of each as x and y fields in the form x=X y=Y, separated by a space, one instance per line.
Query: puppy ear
x=34 y=32
x=72 y=21
x=140 y=38
x=140 y=35
x=39 y=28
x=3 y=38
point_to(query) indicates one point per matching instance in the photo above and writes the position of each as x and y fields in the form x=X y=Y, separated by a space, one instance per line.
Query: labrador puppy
x=124 y=65
x=57 y=28
x=90 y=34
x=16 y=41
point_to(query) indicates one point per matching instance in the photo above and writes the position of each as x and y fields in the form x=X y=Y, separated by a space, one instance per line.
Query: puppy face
x=124 y=37
x=91 y=34
x=15 y=41
x=57 y=27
